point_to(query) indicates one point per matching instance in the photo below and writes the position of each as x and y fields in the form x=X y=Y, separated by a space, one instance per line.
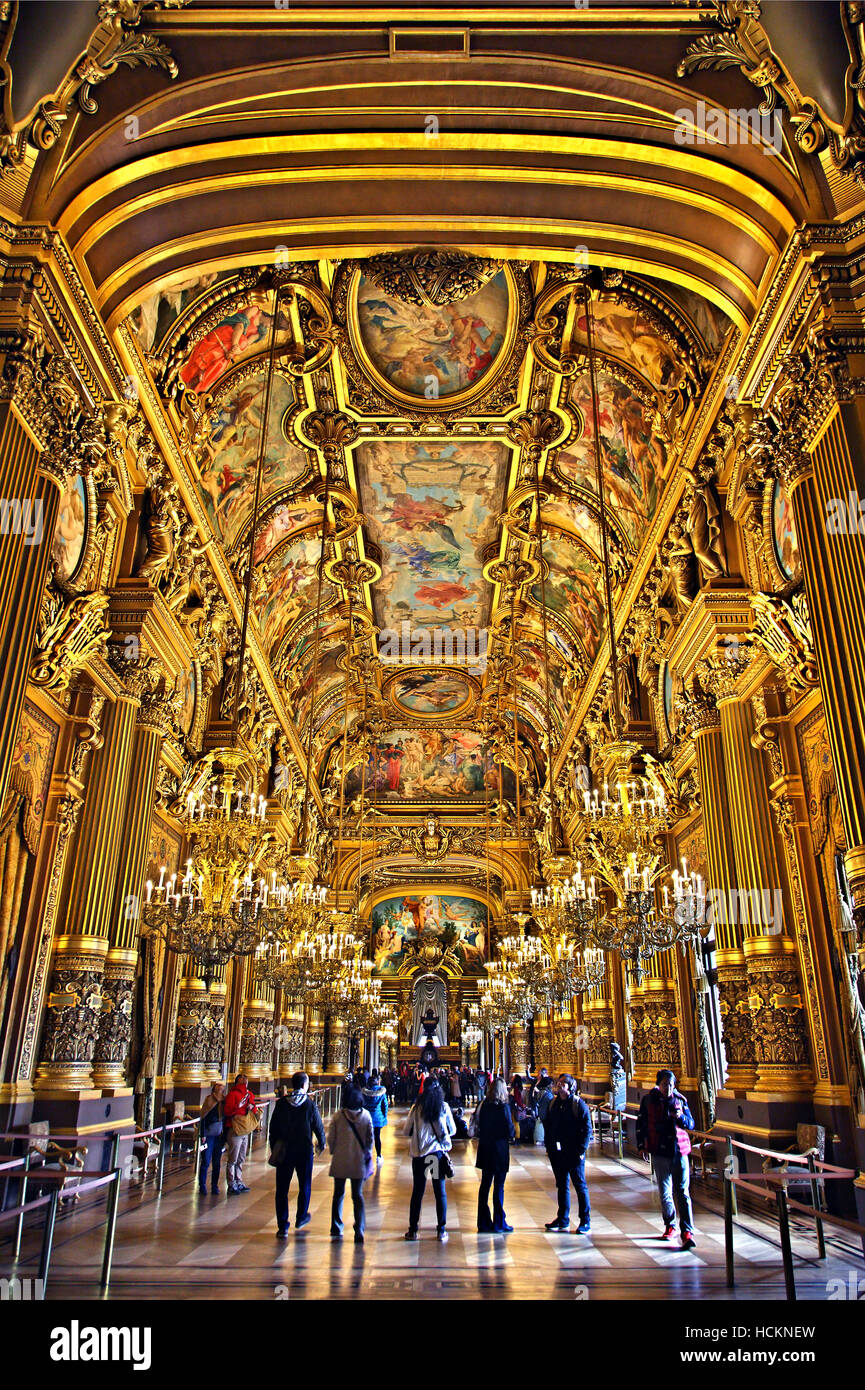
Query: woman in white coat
x=430 y=1127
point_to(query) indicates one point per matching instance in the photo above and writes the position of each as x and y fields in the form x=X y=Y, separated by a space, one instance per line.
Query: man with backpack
x=662 y=1131
x=294 y=1123
x=567 y=1135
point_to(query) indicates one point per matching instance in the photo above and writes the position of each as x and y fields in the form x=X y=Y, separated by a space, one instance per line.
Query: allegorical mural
x=432 y=509
x=633 y=457
x=230 y=453
x=431 y=692
x=623 y=332
x=409 y=764
x=531 y=673
x=290 y=589
x=156 y=314
x=784 y=533
x=242 y=331
x=399 y=922
x=431 y=351
x=571 y=590
x=71 y=529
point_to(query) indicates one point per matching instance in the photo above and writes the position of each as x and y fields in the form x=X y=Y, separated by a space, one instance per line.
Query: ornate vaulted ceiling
x=430 y=200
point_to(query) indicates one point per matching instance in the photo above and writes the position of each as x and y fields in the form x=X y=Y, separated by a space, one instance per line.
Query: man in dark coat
x=567 y=1135
x=295 y=1120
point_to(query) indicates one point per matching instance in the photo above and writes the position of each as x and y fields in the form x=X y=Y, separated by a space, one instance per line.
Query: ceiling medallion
x=432 y=277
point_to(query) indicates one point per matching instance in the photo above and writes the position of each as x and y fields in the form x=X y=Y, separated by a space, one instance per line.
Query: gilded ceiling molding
x=111 y=44
x=744 y=43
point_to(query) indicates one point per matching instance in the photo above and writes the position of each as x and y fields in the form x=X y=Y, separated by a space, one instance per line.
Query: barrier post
x=728 y=1230
x=786 y=1248
x=600 y=1119
x=48 y=1236
x=110 y=1228
x=815 y=1202
x=115 y=1148
x=731 y=1169
x=160 y=1167
x=22 y=1198
x=621 y=1118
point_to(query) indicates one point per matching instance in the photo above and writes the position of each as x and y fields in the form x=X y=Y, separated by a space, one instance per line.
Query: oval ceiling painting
x=431 y=692
x=430 y=350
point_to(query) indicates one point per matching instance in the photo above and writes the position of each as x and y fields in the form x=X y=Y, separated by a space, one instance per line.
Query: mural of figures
x=531 y=673
x=291 y=587
x=397 y=921
x=417 y=347
x=156 y=314
x=711 y=323
x=413 y=763
x=571 y=589
x=431 y=692
x=432 y=509
x=623 y=332
x=784 y=533
x=230 y=456
x=71 y=529
x=632 y=456
x=240 y=333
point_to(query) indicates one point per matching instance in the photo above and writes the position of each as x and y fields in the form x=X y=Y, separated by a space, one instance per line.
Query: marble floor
x=184 y=1246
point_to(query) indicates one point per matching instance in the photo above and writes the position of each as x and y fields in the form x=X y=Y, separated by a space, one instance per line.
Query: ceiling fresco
x=433 y=350
x=633 y=456
x=229 y=453
x=429 y=492
x=432 y=508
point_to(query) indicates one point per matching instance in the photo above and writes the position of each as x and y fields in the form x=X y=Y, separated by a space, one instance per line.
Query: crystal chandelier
x=220 y=908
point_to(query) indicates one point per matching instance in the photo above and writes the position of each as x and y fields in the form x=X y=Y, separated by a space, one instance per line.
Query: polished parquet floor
x=184 y=1246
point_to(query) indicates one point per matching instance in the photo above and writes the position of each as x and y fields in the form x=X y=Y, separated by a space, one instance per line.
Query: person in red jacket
x=239 y=1101
x=662 y=1131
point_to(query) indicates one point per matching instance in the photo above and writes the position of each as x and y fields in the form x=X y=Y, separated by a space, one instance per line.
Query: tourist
x=461 y=1129
x=240 y=1117
x=212 y=1124
x=429 y=1126
x=349 y=1138
x=480 y=1083
x=375 y=1101
x=542 y=1099
x=493 y=1127
x=568 y=1133
x=295 y=1122
x=347 y=1083
x=662 y=1131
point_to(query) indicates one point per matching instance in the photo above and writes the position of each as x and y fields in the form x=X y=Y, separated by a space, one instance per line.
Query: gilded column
x=336 y=1053
x=518 y=1048
x=654 y=1023
x=290 y=1039
x=704 y=721
x=314 y=1060
x=599 y=1024
x=199 y=1041
x=543 y=1045
x=115 y=1024
x=775 y=999
x=257 y=1034
x=75 y=1002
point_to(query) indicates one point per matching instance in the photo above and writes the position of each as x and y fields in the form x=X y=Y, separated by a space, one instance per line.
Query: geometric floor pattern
x=184 y=1246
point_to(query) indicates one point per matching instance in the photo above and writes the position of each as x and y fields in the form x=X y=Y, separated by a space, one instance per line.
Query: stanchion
x=19 y=1224
x=729 y=1198
x=621 y=1119
x=160 y=1167
x=786 y=1248
x=48 y=1236
x=731 y=1169
x=815 y=1202
x=110 y=1228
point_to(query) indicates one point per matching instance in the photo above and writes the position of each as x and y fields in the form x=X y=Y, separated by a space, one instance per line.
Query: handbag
x=368 y=1163
x=277 y=1153
x=245 y=1124
x=446 y=1168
